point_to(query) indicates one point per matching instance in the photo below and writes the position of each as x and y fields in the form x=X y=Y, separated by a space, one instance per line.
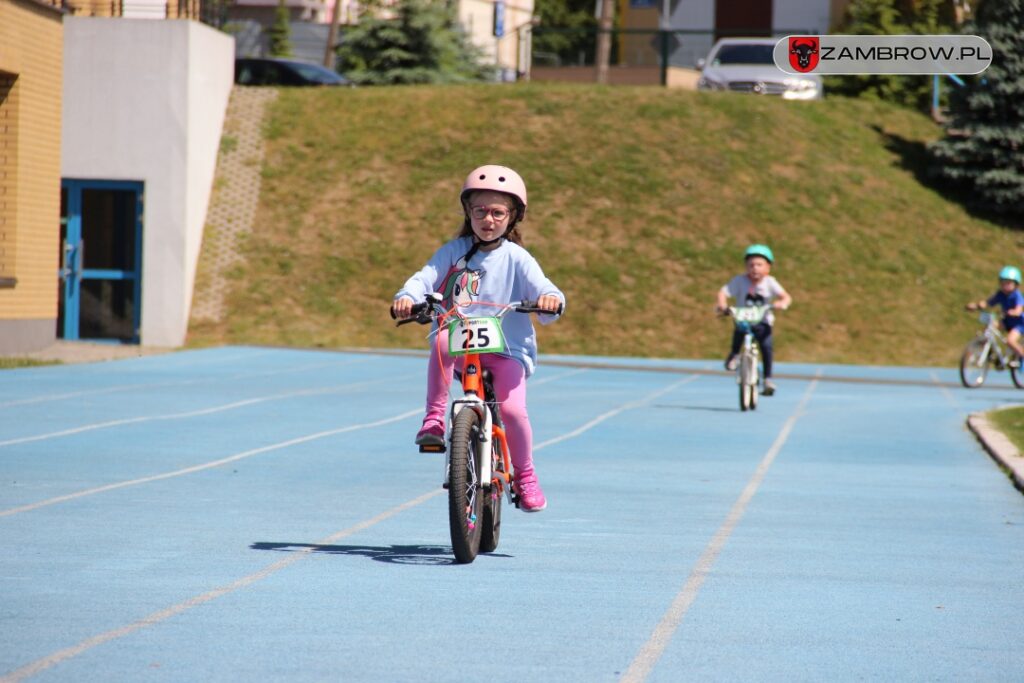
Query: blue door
x=100 y=261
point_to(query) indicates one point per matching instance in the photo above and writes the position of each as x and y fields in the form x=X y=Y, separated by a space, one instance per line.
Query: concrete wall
x=30 y=111
x=811 y=16
x=145 y=101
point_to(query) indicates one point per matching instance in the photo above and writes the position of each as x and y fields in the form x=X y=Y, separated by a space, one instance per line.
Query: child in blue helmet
x=756 y=287
x=1011 y=300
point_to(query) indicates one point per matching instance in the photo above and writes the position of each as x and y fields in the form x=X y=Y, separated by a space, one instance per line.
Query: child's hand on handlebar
x=550 y=303
x=402 y=308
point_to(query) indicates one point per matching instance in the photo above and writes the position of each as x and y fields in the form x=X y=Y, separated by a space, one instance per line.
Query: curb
x=999 y=447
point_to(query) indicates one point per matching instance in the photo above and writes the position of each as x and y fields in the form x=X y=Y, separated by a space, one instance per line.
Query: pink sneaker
x=431 y=433
x=531 y=496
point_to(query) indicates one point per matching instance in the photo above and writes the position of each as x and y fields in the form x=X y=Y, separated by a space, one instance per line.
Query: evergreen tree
x=566 y=31
x=983 y=150
x=893 y=17
x=422 y=44
x=279 y=33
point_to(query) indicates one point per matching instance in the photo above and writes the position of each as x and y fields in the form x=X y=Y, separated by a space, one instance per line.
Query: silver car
x=747 y=65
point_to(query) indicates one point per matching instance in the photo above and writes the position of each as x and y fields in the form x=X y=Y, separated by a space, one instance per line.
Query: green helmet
x=1010 y=273
x=765 y=252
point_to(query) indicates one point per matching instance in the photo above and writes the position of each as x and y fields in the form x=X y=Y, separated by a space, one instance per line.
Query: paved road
x=257 y=514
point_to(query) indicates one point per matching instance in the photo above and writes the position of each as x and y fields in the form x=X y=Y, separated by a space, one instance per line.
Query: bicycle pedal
x=432 y=449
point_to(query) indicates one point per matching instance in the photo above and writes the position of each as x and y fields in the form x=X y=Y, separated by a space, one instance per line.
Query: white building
x=143 y=107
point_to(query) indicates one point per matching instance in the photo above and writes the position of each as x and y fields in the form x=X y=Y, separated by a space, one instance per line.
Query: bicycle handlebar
x=421 y=313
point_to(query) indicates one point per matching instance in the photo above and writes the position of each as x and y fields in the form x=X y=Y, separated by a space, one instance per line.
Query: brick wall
x=31 y=55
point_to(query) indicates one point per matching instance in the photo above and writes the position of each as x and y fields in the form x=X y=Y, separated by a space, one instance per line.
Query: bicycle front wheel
x=747 y=383
x=974 y=363
x=1015 y=375
x=464 y=492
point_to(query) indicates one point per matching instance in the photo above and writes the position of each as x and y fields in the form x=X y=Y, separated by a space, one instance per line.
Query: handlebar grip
x=531 y=307
x=414 y=314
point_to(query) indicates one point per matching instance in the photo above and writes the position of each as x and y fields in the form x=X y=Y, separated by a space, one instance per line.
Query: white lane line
x=950 y=399
x=538 y=382
x=612 y=413
x=652 y=650
x=54 y=658
x=208 y=465
x=196 y=413
x=155 y=618
x=128 y=387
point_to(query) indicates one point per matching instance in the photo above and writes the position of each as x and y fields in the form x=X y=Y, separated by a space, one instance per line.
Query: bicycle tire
x=464 y=492
x=973 y=368
x=490 y=532
x=1018 y=379
x=746 y=389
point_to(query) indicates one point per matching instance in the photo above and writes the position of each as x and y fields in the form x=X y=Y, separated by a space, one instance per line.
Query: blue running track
x=253 y=514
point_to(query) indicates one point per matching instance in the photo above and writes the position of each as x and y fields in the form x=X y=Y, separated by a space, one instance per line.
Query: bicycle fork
x=747 y=372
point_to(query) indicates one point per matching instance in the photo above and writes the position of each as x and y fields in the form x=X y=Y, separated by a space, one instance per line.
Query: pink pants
x=509 y=378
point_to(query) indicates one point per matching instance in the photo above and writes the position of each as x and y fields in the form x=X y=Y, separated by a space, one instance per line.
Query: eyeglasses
x=481 y=212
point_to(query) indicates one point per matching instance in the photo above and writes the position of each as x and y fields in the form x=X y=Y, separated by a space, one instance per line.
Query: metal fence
x=638 y=56
x=213 y=12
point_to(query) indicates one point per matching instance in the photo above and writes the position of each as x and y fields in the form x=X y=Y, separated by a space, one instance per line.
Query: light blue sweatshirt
x=508 y=273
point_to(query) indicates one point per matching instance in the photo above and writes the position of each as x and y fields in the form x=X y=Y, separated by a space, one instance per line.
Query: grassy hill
x=641 y=203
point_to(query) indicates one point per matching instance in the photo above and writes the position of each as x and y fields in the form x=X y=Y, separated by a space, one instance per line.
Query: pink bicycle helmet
x=496 y=179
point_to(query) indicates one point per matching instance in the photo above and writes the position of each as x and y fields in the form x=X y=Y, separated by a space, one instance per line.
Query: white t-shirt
x=746 y=293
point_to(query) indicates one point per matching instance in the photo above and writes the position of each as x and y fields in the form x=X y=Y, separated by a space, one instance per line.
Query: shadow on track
x=710 y=408
x=395 y=554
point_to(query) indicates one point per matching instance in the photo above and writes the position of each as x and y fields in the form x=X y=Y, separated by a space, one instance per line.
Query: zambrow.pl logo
x=803 y=53
x=828 y=55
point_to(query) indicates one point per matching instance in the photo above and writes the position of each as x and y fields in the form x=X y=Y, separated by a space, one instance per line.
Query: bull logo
x=803 y=53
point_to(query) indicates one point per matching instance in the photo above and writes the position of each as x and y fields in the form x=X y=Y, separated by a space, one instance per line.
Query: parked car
x=747 y=65
x=277 y=71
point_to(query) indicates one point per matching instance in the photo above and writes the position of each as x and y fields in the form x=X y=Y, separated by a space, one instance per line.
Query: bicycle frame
x=996 y=340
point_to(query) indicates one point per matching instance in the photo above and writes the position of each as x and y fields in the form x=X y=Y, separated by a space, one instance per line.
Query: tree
x=279 y=33
x=422 y=44
x=894 y=17
x=566 y=32
x=983 y=149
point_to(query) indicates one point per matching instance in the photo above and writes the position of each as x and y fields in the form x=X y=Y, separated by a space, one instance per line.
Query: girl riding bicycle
x=1011 y=300
x=754 y=288
x=487 y=264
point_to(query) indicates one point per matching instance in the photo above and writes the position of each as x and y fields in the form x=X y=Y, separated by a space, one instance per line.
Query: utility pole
x=604 y=40
x=332 y=35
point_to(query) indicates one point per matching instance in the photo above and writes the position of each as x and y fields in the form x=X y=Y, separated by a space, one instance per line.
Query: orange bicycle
x=478 y=470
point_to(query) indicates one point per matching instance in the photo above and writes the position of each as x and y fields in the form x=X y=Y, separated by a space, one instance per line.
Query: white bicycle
x=988 y=350
x=748 y=367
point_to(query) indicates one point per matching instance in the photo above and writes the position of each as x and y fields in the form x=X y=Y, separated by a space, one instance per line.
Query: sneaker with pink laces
x=431 y=433
x=531 y=496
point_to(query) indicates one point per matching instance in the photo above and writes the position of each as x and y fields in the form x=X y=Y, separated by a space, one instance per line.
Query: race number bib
x=750 y=314
x=475 y=335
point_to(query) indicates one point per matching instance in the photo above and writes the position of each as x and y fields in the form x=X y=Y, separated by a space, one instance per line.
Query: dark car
x=276 y=71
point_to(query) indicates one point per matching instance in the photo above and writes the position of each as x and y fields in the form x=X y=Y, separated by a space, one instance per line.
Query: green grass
x=12 y=362
x=1011 y=423
x=641 y=203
